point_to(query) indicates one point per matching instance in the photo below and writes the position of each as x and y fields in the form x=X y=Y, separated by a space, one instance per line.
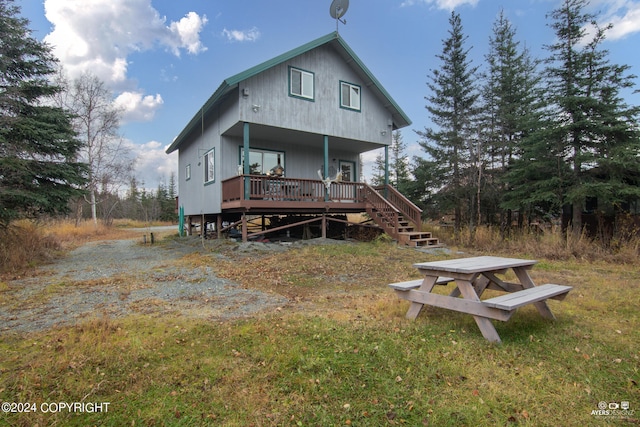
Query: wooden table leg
x=456 y=291
x=484 y=324
x=427 y=285
x=480 y=284
x=527 y=283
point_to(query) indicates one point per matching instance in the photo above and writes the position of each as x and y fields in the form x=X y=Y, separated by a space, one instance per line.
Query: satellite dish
x=338 y=9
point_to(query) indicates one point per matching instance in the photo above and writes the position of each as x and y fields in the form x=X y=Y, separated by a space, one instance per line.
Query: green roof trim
x=231 y=83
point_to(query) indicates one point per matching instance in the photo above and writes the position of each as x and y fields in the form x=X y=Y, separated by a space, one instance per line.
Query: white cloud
x=242 y=35
x=99 y=35
x=187 y=31
x=440 y=4
x=153 y=165
x=137 y=107
x=625 y=17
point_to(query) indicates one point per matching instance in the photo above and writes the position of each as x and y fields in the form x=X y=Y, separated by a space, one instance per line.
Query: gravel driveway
x=121 y=277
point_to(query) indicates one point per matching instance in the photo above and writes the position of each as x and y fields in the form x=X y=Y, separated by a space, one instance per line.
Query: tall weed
x=25 y=244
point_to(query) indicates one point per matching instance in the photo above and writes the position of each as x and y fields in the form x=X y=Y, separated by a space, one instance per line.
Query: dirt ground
x=121 y=277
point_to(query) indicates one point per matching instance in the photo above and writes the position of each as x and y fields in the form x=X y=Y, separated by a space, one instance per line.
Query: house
x=281 y=142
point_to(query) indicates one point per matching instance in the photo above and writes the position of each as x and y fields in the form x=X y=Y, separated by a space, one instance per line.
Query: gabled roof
x=400 y=119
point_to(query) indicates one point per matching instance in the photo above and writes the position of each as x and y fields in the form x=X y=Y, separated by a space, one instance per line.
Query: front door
x=348 y=170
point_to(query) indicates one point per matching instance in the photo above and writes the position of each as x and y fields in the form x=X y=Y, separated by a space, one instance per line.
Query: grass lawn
x=341 y=353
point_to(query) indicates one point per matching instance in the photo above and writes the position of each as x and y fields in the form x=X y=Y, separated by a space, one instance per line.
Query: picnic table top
x=474 y=264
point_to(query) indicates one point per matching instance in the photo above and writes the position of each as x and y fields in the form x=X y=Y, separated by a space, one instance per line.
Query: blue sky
x=164 y=58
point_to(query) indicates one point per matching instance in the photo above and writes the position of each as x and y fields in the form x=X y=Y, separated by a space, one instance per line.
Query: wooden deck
x=261 y=195
x=269 y=195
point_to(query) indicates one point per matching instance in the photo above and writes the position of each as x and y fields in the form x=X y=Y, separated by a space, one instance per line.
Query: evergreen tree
x=452 y=107
x=509 y=114
x=377 y=177
x=399 y=163
x=39 y=172
x=595 y=133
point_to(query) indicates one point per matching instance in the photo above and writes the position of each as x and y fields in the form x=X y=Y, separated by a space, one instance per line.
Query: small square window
x=350 y=96
x=301 y=83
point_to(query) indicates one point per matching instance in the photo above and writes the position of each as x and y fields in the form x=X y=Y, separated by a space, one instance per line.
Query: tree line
x=524 y=139
x=61 y=151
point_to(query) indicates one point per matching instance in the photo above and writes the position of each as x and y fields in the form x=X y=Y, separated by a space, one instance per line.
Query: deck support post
x=247 y=166
x=218 y=225
x=324 y=226
x=326 y=166
x=189 y=233
x=244 y=228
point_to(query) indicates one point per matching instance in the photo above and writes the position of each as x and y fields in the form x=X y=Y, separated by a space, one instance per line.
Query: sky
x=164 y=58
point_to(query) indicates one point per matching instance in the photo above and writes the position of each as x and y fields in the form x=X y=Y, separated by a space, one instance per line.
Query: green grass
x=342 y=355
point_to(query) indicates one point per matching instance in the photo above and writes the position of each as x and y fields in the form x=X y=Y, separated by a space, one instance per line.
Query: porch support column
x=386 y=171
x=326 y=166
x=247 y=166
x=218 y=225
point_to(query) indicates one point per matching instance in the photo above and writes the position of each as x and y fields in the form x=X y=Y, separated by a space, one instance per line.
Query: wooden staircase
x=397 y=216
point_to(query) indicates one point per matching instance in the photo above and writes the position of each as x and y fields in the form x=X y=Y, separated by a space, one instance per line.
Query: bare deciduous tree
x=97 y=122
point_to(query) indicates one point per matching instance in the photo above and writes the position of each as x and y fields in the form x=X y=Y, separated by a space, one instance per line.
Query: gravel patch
x=122 y=277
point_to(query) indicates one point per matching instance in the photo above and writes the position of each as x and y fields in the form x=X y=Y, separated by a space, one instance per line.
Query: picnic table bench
x=472 y=276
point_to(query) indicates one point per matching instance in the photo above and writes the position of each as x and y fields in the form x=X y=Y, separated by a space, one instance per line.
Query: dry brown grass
x=551 y=244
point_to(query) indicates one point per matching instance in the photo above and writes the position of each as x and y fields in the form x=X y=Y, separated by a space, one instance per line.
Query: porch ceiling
x=306 y=139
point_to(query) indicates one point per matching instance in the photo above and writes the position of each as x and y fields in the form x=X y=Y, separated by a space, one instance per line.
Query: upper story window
x=301 y=83
x=209 y=166
x=350 y=96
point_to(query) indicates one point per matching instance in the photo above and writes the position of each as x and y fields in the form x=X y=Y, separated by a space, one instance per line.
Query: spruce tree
x=509 y=115
x=595 y=133
x=452 y=108
x=399 y=162
x=39 y=172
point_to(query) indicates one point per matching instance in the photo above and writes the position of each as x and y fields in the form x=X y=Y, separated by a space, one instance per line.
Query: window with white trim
x=350 y=96
x=301 y=83
x=209 y=166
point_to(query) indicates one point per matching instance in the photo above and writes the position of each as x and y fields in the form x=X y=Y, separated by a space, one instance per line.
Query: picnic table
x=472 y=276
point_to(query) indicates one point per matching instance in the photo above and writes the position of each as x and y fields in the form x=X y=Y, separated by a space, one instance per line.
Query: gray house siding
x=197 y=197
x=269 y=92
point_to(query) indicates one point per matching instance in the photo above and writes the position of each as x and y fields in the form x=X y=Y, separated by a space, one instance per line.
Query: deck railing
x=382 y=212
x=262 y=187
x=404 y=205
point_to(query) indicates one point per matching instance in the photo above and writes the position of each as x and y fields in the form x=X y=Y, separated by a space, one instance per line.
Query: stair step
x=416 y=235
x=433 y=242
x=418 y=239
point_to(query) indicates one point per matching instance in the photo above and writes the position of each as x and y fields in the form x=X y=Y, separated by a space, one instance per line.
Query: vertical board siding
x=270 y=91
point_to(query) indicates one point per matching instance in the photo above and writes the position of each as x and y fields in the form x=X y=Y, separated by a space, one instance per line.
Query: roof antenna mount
x=337 y=10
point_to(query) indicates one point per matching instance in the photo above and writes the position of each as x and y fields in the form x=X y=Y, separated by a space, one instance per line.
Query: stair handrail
x=390 y=215
x=403 y=204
